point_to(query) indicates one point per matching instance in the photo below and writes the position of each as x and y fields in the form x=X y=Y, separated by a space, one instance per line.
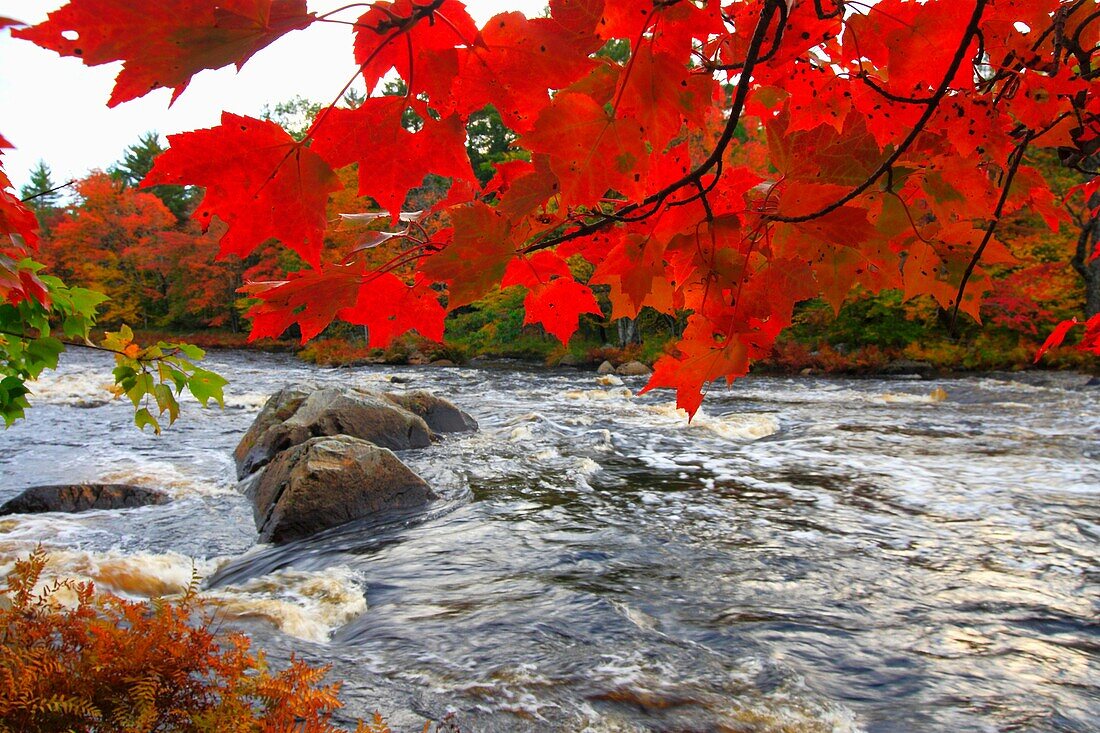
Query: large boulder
x=279 y=407
x=293 y=415
x=81 y=498
x=441 y=415
x=327 y=481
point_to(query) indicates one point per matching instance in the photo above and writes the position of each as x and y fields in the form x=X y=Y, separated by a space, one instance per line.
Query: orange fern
x=99 y=662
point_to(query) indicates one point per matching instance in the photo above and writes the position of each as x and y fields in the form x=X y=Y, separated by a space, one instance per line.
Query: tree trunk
x=628 y=331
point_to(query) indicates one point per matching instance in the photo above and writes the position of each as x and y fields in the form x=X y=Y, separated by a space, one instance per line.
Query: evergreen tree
x=137 y=161
x=489 y=142
x=39 y=193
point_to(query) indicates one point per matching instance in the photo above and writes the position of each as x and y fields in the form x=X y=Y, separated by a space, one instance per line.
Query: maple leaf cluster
x=18 y=239
x=744 y=156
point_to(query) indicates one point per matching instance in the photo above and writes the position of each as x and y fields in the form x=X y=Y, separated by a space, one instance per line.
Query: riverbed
x=807 y=554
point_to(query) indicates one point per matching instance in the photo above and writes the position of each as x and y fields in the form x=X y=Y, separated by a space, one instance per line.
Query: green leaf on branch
x=206 y=386
x=45 y=352
x=143 y=417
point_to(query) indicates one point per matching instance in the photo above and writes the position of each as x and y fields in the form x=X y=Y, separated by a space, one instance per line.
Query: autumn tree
x=293 y=115
x=43 y=196
x=740 y=158
x=1086 y=214
x=102 y=239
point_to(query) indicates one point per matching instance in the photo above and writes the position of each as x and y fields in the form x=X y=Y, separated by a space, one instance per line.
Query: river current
x=807 y=554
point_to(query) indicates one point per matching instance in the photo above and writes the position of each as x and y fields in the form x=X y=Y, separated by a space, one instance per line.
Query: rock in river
x=327 y=481
x=295 y=414
x=633 y=369
x=441 y=415
x=81 y=498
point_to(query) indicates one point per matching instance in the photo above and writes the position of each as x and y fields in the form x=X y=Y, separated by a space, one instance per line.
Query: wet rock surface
x=81 y=498
x=317 y=457
x=327 y=481
x=294 y=415
x=441 y=415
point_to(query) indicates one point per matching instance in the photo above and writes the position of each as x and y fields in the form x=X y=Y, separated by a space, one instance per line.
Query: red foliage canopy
x=745 y=156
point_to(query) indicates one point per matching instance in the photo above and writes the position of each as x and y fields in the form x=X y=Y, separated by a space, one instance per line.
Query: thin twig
x=47 y=191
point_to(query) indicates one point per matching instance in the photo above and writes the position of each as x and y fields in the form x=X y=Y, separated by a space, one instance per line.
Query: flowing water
x=808 y=555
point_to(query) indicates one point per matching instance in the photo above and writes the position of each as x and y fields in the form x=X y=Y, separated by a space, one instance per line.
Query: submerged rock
x=441 y=415
x=293 y=415
x=81 y=498
x=909 y=367
x=327 y=481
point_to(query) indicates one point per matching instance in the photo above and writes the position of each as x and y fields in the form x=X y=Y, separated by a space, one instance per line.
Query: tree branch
x=945 y=85
x=1013 y=166
x=751 y=58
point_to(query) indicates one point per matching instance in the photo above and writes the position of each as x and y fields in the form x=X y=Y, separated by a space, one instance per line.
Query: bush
x=72 y=659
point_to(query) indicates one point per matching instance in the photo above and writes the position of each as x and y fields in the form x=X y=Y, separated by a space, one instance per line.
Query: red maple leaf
x=557 y=305
x=513 y=64
x=401 y=35
x=590 y=152
x=535 y=270
x=15 y=217
x=258 y=180
x=389 y=308
x=311 y=298
x=474 y=262
x=165 y=43
x=391 y=159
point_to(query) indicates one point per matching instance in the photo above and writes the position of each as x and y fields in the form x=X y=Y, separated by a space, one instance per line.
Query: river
x=808 y=554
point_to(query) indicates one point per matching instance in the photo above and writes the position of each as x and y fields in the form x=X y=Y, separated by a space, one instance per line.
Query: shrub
x=72 y=659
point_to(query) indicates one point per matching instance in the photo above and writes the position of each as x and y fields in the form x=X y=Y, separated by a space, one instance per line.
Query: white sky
x=55 y=109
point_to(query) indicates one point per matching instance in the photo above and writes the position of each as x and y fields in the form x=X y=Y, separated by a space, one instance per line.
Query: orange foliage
x=100 y=662
x=95 y=244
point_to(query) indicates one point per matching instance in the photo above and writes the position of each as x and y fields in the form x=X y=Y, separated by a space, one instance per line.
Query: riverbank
x=794 y=355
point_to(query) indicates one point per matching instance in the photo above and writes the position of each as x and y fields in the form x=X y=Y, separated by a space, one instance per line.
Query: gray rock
x=279 y=407
x=570 y=360
x=443 y=363
x=441 y=415
x=294 y=415
x=633 y=369
x=81 y=498
x=605 y=368
x=909 y=367
x=327 y=481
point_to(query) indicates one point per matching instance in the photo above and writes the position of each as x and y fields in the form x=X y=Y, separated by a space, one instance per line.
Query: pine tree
x=39 y=193
x=137 y=161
